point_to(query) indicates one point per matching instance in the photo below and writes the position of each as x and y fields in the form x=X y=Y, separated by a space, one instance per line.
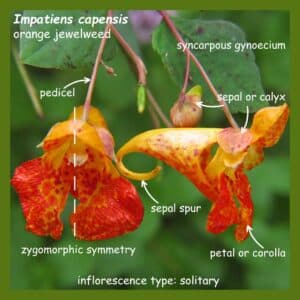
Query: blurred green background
x=173 y=245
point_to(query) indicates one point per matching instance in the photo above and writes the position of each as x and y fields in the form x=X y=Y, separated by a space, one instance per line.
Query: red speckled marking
x=224 y=212
x=112 y=210
x=109 y=205
x=269 y=123
x=42 y=206
x=232 y=140
x=242 y=189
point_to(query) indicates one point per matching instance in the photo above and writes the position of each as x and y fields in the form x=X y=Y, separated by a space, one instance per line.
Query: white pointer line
x=85 y=80
x=201 y=104
x=247 y=118
x=249 y=229
x=144 y=185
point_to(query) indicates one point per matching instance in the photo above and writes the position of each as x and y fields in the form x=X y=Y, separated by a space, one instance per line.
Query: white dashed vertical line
x=74 y=136
x=74 y=183
x=74 y=206
x=74 y=178
x=74 y=211
x=74 y=130
x=74 y=160
x=74 y=229
x=74 y=113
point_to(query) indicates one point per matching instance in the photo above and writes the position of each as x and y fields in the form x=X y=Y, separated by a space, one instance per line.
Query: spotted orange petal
x=242 y=190
x=109 y=205
x=73 y=132
x=268 y=124
x=224 y=212
x=267 y=127
x=187 y=150
x=43 y=193
x=97 y=121
x=95 y=118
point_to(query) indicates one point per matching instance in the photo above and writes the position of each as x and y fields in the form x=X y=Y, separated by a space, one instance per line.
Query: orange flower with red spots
x=220 y=176
x=77 y=160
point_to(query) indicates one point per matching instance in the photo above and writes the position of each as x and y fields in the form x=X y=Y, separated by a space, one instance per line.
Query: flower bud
x=141 y=99
x=185 y=112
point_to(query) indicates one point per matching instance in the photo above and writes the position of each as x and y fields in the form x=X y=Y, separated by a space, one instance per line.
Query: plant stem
x=28 y=84
x=186 y=77
x=141 y=69
x=88 y=99
x=187 y=73
x=154 y=116
x=179 y=38
x=158 y=109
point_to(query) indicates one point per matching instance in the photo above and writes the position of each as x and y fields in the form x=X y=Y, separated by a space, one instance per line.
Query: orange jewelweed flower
x=220 y=176
x=77 y=159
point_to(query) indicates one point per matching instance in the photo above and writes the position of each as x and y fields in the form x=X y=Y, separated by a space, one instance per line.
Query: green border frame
x=5 y=290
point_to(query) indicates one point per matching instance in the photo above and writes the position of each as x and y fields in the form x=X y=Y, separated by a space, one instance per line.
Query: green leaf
x=72 y=52
x=231 y=72
x=65 y=53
